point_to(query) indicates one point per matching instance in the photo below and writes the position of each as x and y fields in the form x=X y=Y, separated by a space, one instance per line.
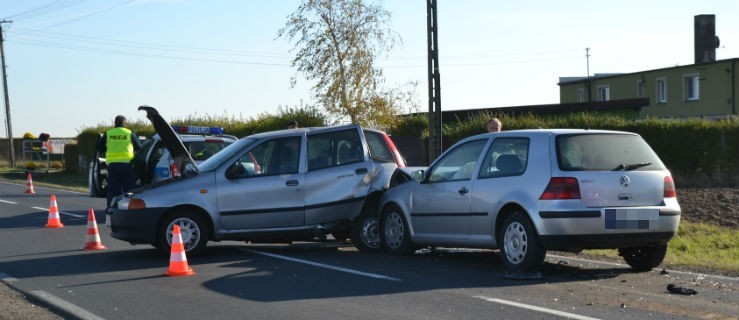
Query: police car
x=153 y=163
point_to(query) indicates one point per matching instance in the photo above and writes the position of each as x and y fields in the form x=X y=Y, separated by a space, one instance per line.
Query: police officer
x=118 y=145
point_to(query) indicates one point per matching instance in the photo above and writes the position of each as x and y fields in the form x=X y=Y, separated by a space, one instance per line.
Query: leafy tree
x=336 y=42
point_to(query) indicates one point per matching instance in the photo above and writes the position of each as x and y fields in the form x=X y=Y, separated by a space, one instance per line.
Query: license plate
x=639 y=219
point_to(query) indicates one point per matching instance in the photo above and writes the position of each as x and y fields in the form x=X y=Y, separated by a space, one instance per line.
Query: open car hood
x=172 y=142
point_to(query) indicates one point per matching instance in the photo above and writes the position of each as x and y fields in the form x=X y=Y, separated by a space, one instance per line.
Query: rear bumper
x=135 y=226
x=605 y=241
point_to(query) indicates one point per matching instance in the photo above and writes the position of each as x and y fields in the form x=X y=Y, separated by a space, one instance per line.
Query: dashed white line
x=325 y=266
x=8 y=202
x=536 y=308
x=61 y=212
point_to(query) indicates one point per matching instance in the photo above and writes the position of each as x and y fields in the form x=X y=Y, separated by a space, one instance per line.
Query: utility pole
x=587 y=79
x=8 y=125
x=435 y=133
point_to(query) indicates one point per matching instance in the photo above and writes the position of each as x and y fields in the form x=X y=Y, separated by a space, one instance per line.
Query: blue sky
x=74 y=63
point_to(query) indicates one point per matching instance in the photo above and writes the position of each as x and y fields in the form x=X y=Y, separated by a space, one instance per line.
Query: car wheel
x=365 y=235
x=97 y=181
x=395 y=232
x=193 y=229
x=520 y=246
x=644 y=258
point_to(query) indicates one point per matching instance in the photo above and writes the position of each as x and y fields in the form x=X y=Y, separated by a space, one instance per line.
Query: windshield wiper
x=629 y=167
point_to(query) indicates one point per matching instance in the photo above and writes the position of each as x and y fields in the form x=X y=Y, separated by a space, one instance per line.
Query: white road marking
x=326 y=266
x=535 y=308
x=61 y=212
x=6 y=278
x=693 y=274
x=8 y=202
x=43 y=187
x=64 y=305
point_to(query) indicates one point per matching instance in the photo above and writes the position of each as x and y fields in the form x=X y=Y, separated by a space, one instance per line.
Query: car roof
x=556 y=131
x=300 y=131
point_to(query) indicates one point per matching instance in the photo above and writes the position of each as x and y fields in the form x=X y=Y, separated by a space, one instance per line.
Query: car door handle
x=361 y=171
x=463 y=190
x=292 y=183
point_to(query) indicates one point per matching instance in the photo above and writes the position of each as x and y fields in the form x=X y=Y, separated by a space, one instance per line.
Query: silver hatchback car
x=281 y=186
x=529 y=191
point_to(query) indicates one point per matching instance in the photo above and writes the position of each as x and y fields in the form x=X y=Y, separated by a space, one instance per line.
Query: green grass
x=696 y=245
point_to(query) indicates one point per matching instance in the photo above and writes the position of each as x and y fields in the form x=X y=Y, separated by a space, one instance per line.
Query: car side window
x=505 y=157
x=273 y=157
x=335 y=148
x=458 y=163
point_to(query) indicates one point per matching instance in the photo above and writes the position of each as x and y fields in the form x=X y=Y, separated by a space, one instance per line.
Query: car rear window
x=378 y=148
x=605 y=152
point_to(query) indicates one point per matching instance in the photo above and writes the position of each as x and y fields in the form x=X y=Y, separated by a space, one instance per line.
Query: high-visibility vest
x=118 y=145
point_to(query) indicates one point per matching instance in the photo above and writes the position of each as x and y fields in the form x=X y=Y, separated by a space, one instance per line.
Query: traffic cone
x=92 y=238
x=54 y=220
x=177 y=259
x=29 y=184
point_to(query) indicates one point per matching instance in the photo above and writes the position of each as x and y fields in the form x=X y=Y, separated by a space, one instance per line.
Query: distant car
x=151 y=163
x=529 y=191
x=285 y=185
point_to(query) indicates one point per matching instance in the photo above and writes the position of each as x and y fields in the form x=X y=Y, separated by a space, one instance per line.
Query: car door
x=267 y=191
x=441 y=203
x=338 y=177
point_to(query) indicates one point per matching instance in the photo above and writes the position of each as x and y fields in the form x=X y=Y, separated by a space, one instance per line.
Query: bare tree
x=336 y=43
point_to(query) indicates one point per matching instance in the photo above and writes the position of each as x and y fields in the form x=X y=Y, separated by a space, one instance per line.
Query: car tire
x=395 y=232
x=520 y=247
x=644 y=258
x=96 y=181
x=193 y=229
x=365 y=234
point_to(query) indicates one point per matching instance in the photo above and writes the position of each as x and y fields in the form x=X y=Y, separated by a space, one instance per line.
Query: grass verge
x=697 y=246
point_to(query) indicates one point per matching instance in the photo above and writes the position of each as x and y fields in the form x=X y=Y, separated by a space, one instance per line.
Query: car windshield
x=215 y=161
x=606 y=152
x=201 y=150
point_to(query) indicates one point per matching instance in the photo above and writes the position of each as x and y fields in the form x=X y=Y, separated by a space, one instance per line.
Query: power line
x=44 y=9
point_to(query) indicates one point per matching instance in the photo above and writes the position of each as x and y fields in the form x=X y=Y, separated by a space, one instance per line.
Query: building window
x=661 y=90
x=691 y=87
x=641 y=89
x=604 y=93
x=581 y=95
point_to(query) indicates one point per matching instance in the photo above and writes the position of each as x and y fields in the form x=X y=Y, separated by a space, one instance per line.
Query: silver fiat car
x=529 y=191
x=282 y=186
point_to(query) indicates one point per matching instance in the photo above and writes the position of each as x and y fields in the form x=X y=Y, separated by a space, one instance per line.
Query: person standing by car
x=494 y=125
x=292 y=125
x=118 y=145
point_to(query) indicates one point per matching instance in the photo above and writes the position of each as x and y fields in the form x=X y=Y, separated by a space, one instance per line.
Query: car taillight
x=136 y=204
x=560 y=188
x=398 y=158
x=670 y=188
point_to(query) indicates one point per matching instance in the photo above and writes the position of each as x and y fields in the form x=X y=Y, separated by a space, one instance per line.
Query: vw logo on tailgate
x=625 y=181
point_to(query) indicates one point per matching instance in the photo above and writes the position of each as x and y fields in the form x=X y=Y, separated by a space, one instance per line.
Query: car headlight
x=131 y=204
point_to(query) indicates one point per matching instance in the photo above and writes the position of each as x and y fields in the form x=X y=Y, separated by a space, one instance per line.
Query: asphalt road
x=328 y=280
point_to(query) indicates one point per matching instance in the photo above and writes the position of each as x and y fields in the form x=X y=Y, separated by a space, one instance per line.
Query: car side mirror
x=235 y=171
x=418 y=175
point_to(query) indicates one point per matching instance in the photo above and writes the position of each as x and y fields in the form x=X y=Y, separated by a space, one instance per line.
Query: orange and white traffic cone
x=54 y=220
x=29 y=184
x=177 y=259
x=92 y=238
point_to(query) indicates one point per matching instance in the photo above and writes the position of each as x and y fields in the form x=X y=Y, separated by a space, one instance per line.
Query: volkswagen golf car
x=275 y=186
x=529 y=191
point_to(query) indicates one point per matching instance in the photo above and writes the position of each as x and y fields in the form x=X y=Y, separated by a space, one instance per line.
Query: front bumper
x=135 y=226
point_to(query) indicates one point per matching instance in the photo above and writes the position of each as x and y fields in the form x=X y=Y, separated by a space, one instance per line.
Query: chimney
x=706 y=40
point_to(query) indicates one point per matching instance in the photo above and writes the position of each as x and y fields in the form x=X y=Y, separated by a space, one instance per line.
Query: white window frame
x=661 y=87
x=580 y=94
x=641 y=89
x=691 y=87
x=604 y=92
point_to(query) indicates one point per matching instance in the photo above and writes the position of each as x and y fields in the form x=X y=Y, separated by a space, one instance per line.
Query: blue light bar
x=198 y=130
